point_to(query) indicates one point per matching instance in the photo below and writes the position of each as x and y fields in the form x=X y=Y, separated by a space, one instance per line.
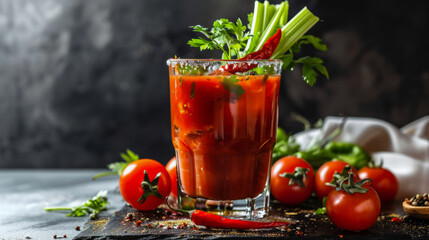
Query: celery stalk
x=283 y=18
x=294 y=30
x=268 y=14
x=256 y=29
x=272 y=26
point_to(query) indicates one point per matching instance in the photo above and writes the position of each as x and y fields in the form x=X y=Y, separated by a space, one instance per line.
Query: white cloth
x=404 y=151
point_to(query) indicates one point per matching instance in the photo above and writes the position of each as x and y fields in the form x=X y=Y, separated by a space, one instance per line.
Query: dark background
x=81 y=81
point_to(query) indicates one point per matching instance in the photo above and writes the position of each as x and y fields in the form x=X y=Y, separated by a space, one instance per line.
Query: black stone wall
x=81 y=81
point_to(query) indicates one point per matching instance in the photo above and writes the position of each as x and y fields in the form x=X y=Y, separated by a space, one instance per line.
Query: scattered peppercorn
x=77 y=228
x=55 y=236
x=65 y=236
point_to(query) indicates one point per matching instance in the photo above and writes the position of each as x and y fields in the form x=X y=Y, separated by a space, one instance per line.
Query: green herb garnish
x=222 y=33
x=236 y=40
x=191 y=70
x=192 y=90
x=117 y=167
x=92 y=206
x=231 y=85
x=321 y=210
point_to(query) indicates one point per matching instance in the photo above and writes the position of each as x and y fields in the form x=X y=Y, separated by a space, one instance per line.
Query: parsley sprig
x=92 y=206
x=227 y=36
x=235 y=40
x=116 y=168
x=230 y=83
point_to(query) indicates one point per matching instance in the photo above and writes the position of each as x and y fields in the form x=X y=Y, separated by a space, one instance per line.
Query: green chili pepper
x=316 y=156
x=285 y=145
x=350 y=153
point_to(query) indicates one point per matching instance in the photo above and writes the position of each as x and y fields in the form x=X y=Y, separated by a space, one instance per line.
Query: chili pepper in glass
x=265 y=53
x=223 y=129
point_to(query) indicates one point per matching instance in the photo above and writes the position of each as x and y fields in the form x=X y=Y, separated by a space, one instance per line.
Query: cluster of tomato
x=354 y=212
x=145 y=183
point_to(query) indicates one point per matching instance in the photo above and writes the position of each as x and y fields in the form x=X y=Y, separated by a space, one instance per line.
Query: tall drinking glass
x=223 y=129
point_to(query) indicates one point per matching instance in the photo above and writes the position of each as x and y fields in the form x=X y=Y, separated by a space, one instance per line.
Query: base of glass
x=248 y=208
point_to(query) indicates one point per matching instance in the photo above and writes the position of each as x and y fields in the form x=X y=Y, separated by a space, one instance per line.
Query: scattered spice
x=299 y=233
x=55 y=236
x=395 y=219
x=138 y=223
x=27 y=237
x=341 y=236
x=77 y=228
x=65 y=236
x=130 y=216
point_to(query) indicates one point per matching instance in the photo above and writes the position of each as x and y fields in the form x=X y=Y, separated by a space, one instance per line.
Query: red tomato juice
x=223 y=141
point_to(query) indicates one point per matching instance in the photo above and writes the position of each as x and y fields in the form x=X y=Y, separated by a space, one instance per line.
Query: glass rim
x=232 y=61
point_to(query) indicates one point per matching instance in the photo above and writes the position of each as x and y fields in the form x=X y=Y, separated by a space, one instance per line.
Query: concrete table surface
x=24 y=194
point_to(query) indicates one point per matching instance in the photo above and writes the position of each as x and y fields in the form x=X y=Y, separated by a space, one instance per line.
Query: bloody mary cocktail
x=223 y=127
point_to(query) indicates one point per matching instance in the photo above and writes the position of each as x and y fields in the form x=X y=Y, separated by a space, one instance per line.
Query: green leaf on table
x=92 y=206
x=322 y=210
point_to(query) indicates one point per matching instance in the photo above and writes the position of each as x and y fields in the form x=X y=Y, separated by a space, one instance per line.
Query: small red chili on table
x=395 y=219
x=212 y=220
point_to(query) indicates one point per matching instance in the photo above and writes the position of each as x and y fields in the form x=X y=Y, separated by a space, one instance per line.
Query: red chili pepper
x=395 y=219
x=265 y=53
x=267 y=49
x=212 y=220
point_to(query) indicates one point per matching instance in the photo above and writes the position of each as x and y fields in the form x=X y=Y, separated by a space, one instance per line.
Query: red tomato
x=383 y=182
x=353 y=212
x=172 y=171
x=325 y=175
x=130 y=184
x=280 y=188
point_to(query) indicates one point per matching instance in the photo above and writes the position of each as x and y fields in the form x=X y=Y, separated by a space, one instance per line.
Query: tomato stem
x=351 y=187
x=339 y=176
x=150 y=188
x=297 y=177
